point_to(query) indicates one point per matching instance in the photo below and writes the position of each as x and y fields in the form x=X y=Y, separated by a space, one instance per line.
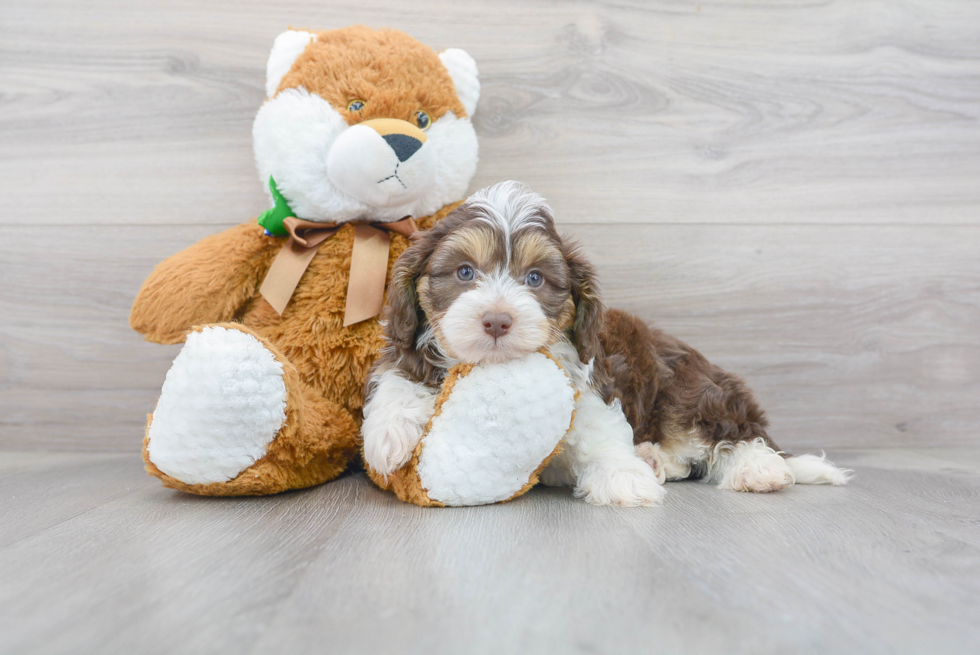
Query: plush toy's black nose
x=404 y=146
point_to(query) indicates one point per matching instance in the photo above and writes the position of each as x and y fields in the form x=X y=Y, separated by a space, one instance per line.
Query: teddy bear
x=364 y=137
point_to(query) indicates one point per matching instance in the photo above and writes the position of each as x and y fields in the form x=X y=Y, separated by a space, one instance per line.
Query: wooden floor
x=96 y=557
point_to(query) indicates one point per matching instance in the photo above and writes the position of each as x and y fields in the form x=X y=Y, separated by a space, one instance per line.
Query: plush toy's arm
x=206 y=283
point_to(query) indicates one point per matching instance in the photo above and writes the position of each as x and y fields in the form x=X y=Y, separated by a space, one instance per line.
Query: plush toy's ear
x=287 y=47
x=466 y=79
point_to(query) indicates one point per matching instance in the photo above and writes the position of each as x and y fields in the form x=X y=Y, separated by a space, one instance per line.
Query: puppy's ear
x=402 y=315
x=589 y=311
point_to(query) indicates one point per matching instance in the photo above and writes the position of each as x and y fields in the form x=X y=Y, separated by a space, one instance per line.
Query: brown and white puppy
x=490 y=282
x=494 y=281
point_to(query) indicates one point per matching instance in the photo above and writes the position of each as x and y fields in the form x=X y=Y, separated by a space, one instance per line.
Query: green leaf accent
x=271 y=219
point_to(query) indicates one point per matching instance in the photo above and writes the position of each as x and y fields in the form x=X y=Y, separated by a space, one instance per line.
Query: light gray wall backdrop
x=792 y=187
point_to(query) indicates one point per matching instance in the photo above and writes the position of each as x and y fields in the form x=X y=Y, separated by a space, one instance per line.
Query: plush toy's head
x=366 y=124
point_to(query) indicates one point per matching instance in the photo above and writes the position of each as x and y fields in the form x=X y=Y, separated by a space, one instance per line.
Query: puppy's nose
x=404 y=146
x=496 y=325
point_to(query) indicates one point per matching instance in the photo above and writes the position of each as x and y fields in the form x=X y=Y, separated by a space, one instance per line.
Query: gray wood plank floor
x=98 y=558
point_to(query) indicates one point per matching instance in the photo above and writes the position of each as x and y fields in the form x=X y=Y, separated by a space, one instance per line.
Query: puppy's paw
x=752 y=466
x=394 y=421
x=759 y=478
x=652 y=455
x=389 y=445
x=628 y=483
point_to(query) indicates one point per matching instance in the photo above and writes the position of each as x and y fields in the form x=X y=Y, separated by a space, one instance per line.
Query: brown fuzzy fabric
x=325 y=364
x=379 y=67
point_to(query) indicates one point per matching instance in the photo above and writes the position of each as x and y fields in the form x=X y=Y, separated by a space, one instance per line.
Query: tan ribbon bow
x=368 y=264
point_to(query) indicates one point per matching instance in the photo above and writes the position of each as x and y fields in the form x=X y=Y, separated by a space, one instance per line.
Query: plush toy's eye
x=355 y=105
x=422 y=120
x=534 y=279
x=465 y=273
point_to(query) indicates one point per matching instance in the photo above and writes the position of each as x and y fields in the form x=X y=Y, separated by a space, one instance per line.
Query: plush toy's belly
x=499 y=423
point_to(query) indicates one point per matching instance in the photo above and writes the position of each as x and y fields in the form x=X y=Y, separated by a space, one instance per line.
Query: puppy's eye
x=422 y=120
x=534 y=279
x=465 y=273
x=355 y=105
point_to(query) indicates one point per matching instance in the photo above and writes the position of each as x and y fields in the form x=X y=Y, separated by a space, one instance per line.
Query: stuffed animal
x=364 y=137
x=495 y=428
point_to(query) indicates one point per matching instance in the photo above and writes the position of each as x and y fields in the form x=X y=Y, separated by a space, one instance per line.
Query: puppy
x=494 y=281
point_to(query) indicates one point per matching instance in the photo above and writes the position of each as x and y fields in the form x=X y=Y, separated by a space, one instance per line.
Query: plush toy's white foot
x=628 y=482
x=223 y=402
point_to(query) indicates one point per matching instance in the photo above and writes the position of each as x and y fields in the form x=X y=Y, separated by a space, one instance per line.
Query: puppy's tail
x=817 y=469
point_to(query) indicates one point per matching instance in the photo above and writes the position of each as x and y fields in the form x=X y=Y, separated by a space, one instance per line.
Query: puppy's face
x=492 y=281
x=494 y=290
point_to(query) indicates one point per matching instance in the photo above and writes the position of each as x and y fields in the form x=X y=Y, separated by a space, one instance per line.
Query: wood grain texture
x=791 y=187
x=629 y=111
x=888 y=564
x=851 y=336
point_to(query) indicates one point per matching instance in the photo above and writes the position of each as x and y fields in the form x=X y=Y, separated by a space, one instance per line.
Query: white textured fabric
x=465 y=76
x=285 y=49
x=363 y=165
x=497 y=426
x=222 y=404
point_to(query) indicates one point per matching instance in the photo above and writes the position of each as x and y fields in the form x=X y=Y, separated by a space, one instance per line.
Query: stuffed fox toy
x=364 y=137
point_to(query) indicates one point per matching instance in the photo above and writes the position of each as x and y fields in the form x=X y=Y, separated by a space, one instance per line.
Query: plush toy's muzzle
x=382 y=162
